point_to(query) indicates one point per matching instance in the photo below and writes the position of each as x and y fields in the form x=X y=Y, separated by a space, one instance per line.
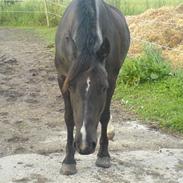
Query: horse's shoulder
x=114 y=10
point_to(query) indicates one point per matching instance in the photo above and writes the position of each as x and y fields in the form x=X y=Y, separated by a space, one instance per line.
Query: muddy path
x=32 y=130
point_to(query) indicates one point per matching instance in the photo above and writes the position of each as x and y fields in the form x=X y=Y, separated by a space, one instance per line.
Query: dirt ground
x=33 y=135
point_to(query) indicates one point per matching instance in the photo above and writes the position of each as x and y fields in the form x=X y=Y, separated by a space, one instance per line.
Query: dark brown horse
x=92 y=42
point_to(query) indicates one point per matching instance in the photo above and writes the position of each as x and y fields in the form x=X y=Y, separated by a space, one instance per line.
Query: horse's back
x=113 y=26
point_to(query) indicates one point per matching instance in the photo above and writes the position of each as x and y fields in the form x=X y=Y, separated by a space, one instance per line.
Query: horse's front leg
x=103 y=159
x=69 y=163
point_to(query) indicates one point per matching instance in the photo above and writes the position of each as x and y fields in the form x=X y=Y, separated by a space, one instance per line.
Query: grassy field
x=149 y=87
x=134 y=7
x=158 y=101
x=45 y=33
x=31 y=12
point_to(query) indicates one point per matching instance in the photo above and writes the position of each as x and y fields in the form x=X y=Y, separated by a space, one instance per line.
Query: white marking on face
x=88 y=85
x=99 y=33
x=83 y=128
x=83 y=133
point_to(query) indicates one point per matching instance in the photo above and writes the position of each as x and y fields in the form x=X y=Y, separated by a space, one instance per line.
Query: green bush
x=151 y=66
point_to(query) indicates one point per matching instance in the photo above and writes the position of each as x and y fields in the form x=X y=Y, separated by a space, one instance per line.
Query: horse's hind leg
x=69 y=163
x=103 y=159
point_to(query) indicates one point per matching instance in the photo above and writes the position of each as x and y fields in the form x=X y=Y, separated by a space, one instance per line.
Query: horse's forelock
x=65 y=85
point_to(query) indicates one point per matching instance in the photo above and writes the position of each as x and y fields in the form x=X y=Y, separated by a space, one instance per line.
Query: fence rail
x=29 y=12
x=46 y=11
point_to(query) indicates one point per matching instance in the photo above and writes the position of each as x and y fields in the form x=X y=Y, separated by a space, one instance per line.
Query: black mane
x=86 y=36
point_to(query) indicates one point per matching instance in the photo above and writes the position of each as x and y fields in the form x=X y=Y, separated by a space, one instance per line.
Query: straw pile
x=163 y=27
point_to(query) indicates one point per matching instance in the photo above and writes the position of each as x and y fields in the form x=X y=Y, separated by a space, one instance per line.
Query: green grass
x=158 y=98
x=29 y=13
x=160 y=101
x=134 y=7
x=28 y=18
x=33 y=10
x=43 y=32
x=46 y=33
x=150 y=66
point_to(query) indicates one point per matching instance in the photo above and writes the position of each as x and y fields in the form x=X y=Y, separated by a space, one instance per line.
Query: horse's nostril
x=93 y=145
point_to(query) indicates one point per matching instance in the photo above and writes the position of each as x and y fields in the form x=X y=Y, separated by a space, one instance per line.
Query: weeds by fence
x=31 y=12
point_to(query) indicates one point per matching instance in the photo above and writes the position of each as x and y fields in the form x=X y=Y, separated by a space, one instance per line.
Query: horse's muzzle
x=85 y=149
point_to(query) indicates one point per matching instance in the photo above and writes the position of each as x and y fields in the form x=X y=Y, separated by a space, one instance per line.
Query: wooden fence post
x=46 y=13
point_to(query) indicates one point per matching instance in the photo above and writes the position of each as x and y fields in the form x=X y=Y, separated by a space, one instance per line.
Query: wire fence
x=46 y=11
x=29 y=12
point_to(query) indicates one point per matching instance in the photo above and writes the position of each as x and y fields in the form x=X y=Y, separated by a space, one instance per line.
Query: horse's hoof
x=68 y=169
x=104 y=162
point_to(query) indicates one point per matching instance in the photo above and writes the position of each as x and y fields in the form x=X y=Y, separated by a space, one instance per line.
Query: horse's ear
x=104 y=50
